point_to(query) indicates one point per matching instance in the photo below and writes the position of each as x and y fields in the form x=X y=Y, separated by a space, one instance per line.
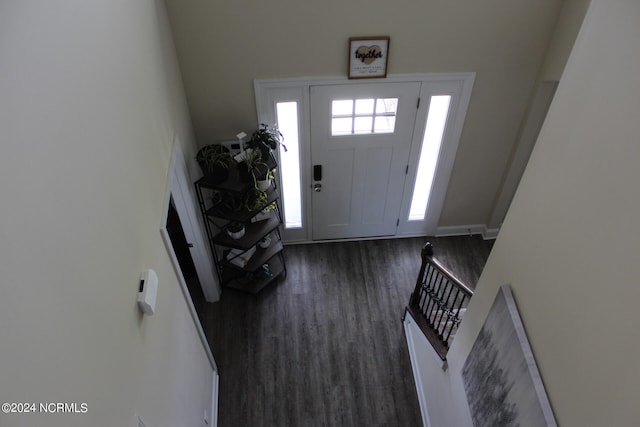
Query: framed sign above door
x=368 y=57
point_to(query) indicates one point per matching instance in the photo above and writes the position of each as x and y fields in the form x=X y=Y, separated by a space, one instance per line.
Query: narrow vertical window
x=433 y=133
x=287 y=118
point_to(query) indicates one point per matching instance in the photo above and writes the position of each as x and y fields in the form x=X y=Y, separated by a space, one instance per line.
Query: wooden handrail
x=438 y=302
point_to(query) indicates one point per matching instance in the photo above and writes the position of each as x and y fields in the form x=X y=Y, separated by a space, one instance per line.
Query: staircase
x=438 y=302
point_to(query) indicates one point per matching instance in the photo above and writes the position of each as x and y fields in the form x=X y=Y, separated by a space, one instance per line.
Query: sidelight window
x=431 y=142
x=287 y=117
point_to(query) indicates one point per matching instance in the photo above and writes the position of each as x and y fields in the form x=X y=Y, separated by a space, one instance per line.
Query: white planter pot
x=264 y=185
x=265 y=242
x=237 y=235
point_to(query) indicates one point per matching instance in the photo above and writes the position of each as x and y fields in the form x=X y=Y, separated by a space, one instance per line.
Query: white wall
x=90 y=102
x=569 y=244
x=564 y=36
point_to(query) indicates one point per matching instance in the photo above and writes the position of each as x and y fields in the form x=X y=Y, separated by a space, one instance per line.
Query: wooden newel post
x=427 y=252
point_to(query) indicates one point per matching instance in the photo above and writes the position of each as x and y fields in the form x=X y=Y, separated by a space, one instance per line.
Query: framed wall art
x=368 y=57
x=500 y=375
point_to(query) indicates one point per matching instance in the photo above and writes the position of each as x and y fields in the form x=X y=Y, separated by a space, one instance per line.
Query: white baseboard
x=214 y=399
x=408 y=333
x=446 y=231
x=467 y=230
x=490 y=233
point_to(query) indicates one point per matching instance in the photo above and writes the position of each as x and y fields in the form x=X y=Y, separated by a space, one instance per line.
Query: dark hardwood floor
x=326 y=346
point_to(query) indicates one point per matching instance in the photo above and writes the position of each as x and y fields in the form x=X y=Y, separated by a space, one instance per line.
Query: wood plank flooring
x=325 y=346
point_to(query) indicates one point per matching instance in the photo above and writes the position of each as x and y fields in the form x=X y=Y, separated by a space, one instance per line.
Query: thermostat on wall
x=147 y=292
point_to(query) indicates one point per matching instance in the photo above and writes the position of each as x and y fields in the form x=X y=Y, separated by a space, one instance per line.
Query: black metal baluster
x=436 y=299
x=445 y=310
x=438 y=315
x=453 y=316
x=430 y=300
x=424 y=292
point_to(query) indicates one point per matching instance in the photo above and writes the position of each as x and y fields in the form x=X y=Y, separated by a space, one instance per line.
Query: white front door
x=361 y=138
x=378 y=168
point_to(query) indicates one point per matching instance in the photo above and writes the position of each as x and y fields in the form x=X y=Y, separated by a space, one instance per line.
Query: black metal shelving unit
x=240 y=263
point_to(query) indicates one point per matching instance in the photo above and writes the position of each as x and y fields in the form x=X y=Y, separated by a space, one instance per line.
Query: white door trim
x=268 y=92
x=459 y=89
x=215 y=391
x=177 y=156
x=184 y=199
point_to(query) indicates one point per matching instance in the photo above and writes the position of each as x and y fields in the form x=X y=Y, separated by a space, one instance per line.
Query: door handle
x=317 y=188
x=317 y=172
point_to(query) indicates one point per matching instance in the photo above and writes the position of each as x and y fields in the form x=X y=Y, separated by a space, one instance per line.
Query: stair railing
x=438 y=302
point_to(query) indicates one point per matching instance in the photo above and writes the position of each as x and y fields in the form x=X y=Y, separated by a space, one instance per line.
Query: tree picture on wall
x=500 y=376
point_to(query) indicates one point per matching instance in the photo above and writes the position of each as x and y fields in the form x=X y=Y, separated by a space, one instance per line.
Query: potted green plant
x=214 y=162
x=235 y=230
x=270 y=207
x=252 y=168
x=265 y=242
x=233 y=203
x=243 y=203
x=264 y=183
x=254 y=199
x=265 y=139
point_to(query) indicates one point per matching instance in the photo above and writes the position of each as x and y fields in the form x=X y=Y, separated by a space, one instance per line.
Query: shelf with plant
x=242 y=216
x=241 y=207
x=266 y=139
x=254 y=281
x=265 y=181
x=236 y=181
x=258 y=257
x=214 y=161
x=235 y=230
x=254 y=232
x=253 y=167
x=262 y=255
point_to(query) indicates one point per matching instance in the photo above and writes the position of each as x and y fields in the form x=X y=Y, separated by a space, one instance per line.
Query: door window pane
x=342 y=107
x=362 y=124
x=342 y=126
x=364 y=106
x=384 y=124
x=386 y=105
x=363 y=116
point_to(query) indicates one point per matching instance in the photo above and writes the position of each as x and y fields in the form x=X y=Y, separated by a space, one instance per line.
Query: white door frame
x=458 y=85
x=180 y=190
x=178 y=166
